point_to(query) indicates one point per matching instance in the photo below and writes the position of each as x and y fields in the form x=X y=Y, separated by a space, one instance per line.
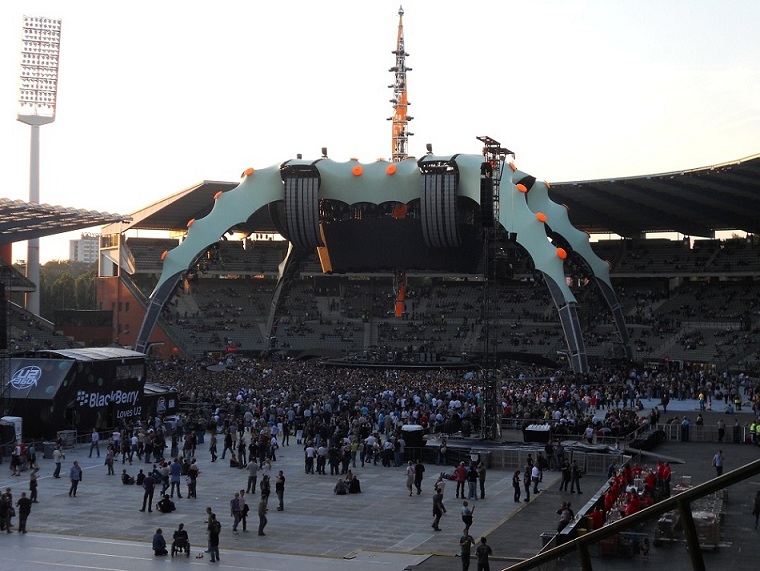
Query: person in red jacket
x=666 y=479
x=461 y=475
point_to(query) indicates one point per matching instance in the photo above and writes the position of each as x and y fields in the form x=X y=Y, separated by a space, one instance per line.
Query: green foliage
x=67 y=285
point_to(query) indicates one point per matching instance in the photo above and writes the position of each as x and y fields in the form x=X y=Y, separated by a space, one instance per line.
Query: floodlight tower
x=400 y=104
x=40 y=46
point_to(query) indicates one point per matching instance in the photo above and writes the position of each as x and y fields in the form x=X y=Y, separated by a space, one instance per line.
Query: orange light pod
x=218 y=194
x=541 y=216
x=357 y=171
x=248 y=171
x=391 y=170
x=190 y=222
x=513 y=167
x=163 y=256
x=561 y=253
x=546 y=182
x=522 y=188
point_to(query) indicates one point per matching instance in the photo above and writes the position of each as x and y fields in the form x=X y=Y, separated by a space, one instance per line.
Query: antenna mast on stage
x=400 y=104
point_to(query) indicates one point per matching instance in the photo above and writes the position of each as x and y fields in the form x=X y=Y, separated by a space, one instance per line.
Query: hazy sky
x=155 y=96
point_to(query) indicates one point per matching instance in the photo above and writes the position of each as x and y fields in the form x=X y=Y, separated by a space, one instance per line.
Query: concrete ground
x=382 y=528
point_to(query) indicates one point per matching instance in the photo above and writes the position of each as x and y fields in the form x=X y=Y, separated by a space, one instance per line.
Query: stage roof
x=21 y=220
x=694 y=202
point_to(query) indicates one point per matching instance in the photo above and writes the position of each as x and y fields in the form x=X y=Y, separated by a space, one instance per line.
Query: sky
x=154 y=97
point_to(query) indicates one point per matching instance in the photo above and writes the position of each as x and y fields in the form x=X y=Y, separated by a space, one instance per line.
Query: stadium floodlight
x=40 y=48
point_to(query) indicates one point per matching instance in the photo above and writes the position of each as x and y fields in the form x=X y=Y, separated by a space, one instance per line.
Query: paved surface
x=382 y=528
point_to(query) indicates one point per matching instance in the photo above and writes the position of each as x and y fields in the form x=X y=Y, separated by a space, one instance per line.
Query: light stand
x=40 y=47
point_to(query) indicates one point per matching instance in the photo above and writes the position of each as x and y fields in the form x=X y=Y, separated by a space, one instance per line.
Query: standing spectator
x=236 y=511
x=517 y=484
x=94 y=440
x=214 y=529
x=566 y=475
x=212 y=450
x=438 y=509
x=192 y=477
x=33 y=482
x=756 y=508
x=482 y=552
x=24 y=506
x=149 y=485
x=575 y=477
x=441 y=456
x=465 y=543
x=461 y=475
x=279 y=489
x=535 y=476
x=266 y=488
x=717 y=461
x=58 y=458
x=482 y=479
x=526 y=482
x=175 y=477
x=685 y=424
x=262 y=515
x=472 y=482
x=109 y=460
x=5 y=513
x=75 y=473
x=253 y=470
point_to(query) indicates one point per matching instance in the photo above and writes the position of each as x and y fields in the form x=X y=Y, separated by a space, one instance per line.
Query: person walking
x=244 y=511
x=262 y=515
x=94 y=442
x=214 y=529
x=279 y=489
x=149 y=485
x=717 y=462
x=482 y=552
x=235 y=511
x=409 y=477
x=24 y=506
x=467 y=513
x=58 y=458
x=75 y=473
x=465 y=543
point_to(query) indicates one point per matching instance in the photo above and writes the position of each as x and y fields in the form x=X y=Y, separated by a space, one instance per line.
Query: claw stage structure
x=426 y=215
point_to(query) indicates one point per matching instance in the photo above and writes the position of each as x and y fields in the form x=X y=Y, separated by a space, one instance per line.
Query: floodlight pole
x=40 y=48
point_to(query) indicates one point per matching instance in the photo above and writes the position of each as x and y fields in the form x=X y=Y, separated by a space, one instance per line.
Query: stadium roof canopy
x=21 y=220
x=695 y=202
